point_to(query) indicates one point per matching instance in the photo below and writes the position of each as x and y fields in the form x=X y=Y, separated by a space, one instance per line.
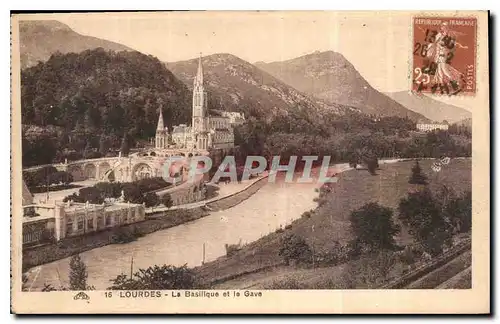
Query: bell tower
x=199 y=102
x=161 y=133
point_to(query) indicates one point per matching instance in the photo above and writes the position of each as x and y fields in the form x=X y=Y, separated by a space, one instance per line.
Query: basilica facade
x=206 y=132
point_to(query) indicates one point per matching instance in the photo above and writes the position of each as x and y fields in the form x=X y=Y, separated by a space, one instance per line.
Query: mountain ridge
x=39 y=39
x=235 y=84
x=431 y=108
x=330 y=77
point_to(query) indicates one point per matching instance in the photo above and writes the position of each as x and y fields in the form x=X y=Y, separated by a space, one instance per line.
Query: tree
x=90 y=194
x=295 y=248
x=372 y=164
x=422 y=214
x=417 y=177
x=132 y=193
x=66 y=177
x=151 y=199
x=87 y=152
x=352 y=158
x=103 y=145
x=60 y=177
x=78 y=274
x=157 y=278
x=459 y=211
x=374 y=227
x=124 y=148
x=166 y=200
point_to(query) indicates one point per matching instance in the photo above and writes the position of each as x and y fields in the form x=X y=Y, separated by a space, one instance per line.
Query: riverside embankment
x=157 y=219
x=256 y=215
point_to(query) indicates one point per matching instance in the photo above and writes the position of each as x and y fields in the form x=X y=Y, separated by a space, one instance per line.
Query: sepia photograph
x=217 y=157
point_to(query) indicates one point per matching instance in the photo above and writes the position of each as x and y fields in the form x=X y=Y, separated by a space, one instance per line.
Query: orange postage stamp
x=444 y=55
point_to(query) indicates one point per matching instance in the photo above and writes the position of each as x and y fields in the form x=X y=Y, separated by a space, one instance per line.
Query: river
x=273 y=205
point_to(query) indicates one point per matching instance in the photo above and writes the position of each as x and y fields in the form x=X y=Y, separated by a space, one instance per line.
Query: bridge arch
x=76 y=171
x=103 y=168
x=90 y=171
x=142 y=170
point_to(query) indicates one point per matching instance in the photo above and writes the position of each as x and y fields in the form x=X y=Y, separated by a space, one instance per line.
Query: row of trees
x=152 y=278
x=45 y=177
x=138 y=192
x=59 y=145
x=346 y=138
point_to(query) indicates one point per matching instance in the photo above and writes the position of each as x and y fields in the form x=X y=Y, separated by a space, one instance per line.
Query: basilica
x=207 y=132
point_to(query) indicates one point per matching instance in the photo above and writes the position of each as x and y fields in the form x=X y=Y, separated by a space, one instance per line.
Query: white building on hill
x=431 y=127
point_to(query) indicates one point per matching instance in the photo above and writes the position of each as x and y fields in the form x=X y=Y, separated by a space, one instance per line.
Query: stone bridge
x=137 y=166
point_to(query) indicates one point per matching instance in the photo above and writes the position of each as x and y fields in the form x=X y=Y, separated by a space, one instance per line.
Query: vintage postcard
x=250 y=162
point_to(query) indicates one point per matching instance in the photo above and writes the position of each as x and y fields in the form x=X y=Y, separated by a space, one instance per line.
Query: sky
x=378 y=44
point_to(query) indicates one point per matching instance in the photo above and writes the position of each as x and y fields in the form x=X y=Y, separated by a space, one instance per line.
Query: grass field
x=331 y=220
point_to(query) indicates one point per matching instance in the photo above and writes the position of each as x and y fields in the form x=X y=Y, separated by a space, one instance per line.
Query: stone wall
x=237 y=198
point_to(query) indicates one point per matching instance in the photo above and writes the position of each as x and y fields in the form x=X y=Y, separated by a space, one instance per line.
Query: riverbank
x=156 y=221
x=328 y=224
x=51 y=252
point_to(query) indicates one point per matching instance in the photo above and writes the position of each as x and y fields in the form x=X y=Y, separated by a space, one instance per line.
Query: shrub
x=121 y=235
x=369 y=271
x=295 y=248
x=231 y=249
x=410 y=254
x=287 y=283
x=306 y=214
x=166 y=200
x=151 y=199
x=157 y=278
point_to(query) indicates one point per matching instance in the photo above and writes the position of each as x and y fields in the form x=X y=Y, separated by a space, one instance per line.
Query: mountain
x=330 y=77
x=236 y=85
x=433 y=109
x=41 y=38
x=103 y=92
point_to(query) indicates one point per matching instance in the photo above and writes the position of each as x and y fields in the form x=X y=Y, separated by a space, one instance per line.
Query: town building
x=206 y=132
x=431 y=127
x=59 y=220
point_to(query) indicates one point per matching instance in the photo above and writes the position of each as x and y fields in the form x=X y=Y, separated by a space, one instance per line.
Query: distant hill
x=430 y=108
x=236 y=85
x=465 y=123
x=41 y=38
x=330 y=77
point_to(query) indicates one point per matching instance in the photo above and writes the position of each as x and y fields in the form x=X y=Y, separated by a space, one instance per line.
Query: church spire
x=160 y=126
x=198 y=80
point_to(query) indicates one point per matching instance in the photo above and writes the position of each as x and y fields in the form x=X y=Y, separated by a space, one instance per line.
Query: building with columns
x=206 y=132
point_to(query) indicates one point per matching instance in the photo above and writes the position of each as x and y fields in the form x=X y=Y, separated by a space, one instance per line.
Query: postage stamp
x=444 y=55
x=208 y=162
